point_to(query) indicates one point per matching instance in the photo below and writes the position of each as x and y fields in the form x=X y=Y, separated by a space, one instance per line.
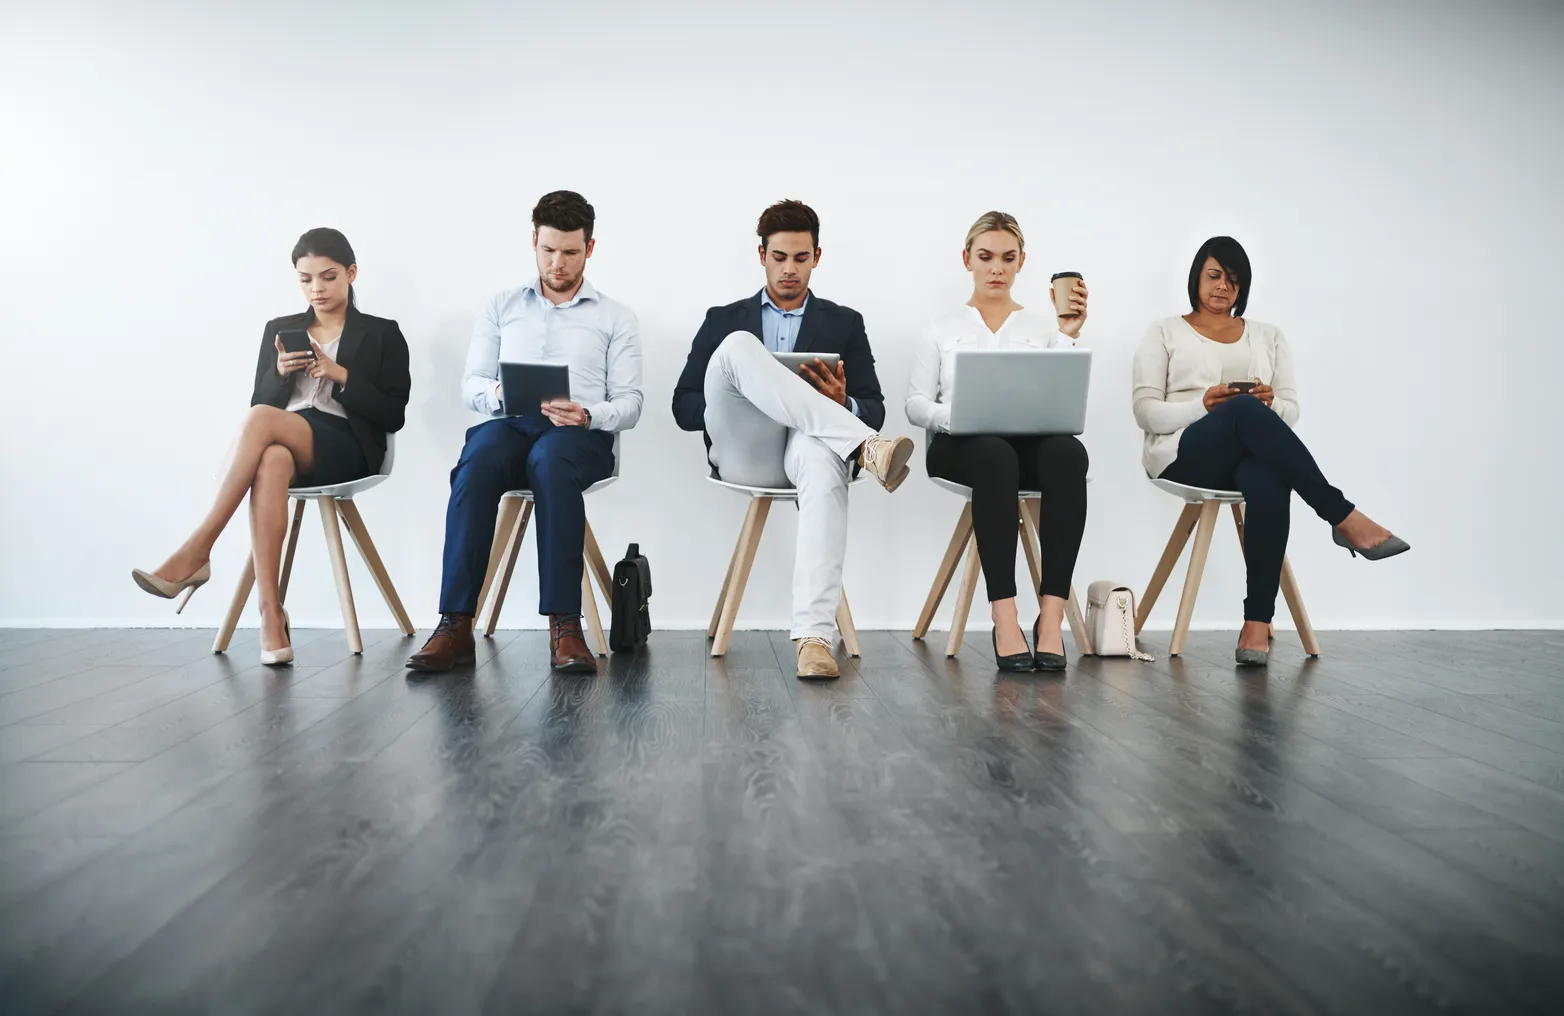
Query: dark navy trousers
x=1243 y=445
x=522 y=452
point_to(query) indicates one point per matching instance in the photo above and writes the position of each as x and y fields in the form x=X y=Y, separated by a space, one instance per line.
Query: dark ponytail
x=325 y=242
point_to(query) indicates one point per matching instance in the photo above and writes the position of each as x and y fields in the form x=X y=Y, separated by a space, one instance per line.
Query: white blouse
x=315 y=392
x=933 y=368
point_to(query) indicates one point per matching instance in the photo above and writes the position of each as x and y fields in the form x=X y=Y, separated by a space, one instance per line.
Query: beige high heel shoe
x=168 y=590
x=277 y=657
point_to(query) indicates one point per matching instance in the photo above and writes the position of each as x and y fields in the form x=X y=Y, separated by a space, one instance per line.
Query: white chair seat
x=774 y=493
x=526 y=495
x=1195 y=495
x=340 y=491
x=966 y=492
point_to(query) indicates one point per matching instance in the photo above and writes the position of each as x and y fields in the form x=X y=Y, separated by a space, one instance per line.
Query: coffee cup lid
x=1065 y=275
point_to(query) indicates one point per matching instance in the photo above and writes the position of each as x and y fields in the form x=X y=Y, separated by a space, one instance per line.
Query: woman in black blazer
x=318 y=418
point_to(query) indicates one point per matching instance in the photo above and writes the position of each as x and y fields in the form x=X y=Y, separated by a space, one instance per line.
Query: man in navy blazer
x=768 y=427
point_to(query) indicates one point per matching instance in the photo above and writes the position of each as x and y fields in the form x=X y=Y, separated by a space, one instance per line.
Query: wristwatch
x=588 y=414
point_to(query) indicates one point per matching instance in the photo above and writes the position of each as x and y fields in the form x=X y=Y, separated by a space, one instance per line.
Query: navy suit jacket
x=827 y=328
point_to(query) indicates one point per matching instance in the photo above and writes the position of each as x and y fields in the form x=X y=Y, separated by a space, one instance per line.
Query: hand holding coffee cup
x=1069 y=294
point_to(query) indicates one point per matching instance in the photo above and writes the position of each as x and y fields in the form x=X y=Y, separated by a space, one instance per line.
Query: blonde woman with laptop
x=998 y=467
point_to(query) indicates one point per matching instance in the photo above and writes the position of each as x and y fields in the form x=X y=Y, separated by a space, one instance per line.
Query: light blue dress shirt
x=779 y=330
x=597 y=337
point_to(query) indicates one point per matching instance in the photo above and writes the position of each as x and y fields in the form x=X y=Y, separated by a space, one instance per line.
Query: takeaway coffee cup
x=1064 y=285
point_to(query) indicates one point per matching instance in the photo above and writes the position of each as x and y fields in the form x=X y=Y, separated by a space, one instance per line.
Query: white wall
x=1393 y=175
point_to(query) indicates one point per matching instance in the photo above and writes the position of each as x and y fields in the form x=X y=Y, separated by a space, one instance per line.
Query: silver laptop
x=1020 y=391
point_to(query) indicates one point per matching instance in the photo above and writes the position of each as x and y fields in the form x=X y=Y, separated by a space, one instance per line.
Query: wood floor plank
x=1375 y=830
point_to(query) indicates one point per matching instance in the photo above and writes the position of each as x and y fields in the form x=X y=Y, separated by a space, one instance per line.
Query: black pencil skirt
x=338 y=457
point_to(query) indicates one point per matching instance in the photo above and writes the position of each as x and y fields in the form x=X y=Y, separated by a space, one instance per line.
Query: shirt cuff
x=852 y=404
x=600 y=413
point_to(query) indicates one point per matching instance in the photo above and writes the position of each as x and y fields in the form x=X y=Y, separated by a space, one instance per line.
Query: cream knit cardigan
x=1176 y=364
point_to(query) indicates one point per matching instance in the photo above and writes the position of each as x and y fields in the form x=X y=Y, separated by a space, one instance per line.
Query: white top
x=1176 y=364
x=597 y=337
x=934 y=365
x=315 y=392
x=1234 y=357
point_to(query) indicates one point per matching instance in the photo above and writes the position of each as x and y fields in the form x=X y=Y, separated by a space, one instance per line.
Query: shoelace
x=562 y=626
x=814 y=640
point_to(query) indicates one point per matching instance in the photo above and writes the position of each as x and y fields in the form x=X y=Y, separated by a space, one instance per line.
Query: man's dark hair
x=565 y=211
x=788 y=217
x=1229 y=253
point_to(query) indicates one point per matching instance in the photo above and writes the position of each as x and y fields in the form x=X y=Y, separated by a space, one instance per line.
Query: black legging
x=1242 y=444
x=997 y=468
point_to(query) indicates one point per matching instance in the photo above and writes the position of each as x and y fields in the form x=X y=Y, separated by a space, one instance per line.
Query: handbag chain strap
x=1129 y=636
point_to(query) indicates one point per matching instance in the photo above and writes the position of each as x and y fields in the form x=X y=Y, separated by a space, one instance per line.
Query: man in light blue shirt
x=556 y=450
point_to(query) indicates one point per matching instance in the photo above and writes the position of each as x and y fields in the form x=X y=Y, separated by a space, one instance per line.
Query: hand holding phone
x=293 y=351
x=1242 y=387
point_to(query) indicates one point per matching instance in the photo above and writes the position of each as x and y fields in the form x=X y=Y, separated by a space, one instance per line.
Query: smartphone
x=1242 y=386
x=296 y=340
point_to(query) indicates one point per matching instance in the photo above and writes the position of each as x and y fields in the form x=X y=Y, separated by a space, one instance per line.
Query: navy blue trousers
x=1243 y=445
x=556 y=464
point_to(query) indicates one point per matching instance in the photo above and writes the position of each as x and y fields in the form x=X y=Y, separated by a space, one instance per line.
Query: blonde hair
x=991 y=221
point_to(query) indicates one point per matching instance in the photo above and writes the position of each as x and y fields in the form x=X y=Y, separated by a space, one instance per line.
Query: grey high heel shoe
x=1390 y=548
x=1252 y=657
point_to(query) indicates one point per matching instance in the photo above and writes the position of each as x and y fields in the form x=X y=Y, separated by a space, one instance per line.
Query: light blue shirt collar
x=586 y=292
x=766 y=301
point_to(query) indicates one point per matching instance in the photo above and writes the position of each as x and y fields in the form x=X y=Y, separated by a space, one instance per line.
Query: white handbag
x=1110 y=619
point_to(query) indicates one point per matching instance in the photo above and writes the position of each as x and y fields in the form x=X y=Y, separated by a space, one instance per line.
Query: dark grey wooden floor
x=1378 y=831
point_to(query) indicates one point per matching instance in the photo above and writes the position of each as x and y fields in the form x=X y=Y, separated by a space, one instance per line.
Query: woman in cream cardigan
x=1204 y=431
x=997 y=468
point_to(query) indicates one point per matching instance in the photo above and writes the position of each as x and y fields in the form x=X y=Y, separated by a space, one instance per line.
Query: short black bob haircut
x=1229 y=253
x=565 y=211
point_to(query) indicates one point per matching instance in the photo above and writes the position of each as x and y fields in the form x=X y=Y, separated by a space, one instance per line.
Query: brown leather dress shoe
x=450 y=646
x=567 y=645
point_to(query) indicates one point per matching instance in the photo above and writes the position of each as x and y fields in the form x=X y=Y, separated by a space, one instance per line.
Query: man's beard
x=570 y=283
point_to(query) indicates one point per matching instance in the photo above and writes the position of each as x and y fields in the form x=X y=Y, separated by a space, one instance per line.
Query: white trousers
x=770 y=428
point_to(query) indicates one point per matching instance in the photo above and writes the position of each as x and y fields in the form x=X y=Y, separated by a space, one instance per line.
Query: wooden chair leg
x=1031 y=539
x=511 y=551
x=1238 y=520
x=1159 y=578
x=377 y=568
x=727 y=581
x=1300 y=616
x=1078 y=630
x=287 y=555
x=594 y=620
x=225 y=632
x=749 y=540
x=339 y=571
x=958 y=618
x=1197 y=567
x=504 y=522
x=596 y=566
x=946 y=572
x=844 y=623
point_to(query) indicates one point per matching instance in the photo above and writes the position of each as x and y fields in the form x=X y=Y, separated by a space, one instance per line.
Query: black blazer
x=827 y=328
x=375 y=397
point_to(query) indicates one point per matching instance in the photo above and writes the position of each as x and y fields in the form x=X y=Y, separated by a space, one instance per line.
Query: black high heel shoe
x=1019 y=663
x=1045 y=661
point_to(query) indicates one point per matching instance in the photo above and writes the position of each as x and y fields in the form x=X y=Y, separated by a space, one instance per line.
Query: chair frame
x=1201 y=508
x=964 y=542
x=510 y=529
x=332 y=506
x=725 y=613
